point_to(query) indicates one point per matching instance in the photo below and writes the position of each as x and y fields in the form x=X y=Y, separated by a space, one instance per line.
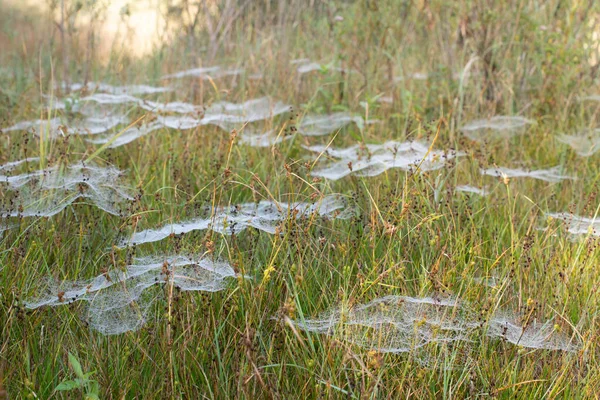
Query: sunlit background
x=137 y=24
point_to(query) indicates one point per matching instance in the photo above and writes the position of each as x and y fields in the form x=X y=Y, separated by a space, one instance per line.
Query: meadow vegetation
x=422 y=70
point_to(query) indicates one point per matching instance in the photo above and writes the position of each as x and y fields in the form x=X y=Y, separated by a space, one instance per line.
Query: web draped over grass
x=585 y=143
x=320 y=125
x=120 y=300
x=374 y=159
x=496 y=127
x=266 y=216
x=472 y=189
x=400 y=324
x=102 y=117
x=552 y=175
x=48 y=191
x=578 y=225
x=52 y=128
x=129 y=135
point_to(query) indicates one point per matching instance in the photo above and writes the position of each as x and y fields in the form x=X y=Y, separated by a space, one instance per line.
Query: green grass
x=228 y=344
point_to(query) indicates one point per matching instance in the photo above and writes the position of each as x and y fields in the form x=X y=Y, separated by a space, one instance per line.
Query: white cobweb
x=134 y=89
x=417 y=76
x=100 y=105
x=172 y=107
x=319 y=125
x=231 y=115
x=251 y=138
x=12 y=165
x=108 y=98
x=225 y=113
x=54 y=127
x=585 y=143
x=149 y=105
x=472 y=189
x=265 y=215
x=179 y=122
x=6 y=227
x=107 y=88
x=128 y=136
x=228 y=115
x=578 y=225
x=374 y=159
x=48 y=191
x=489 y=281
x=48 y=126
x=399 y=324
x=497 y=126
x=423 y=76
x=94 y=125
x=119 y=300
x=593 y=97
x=99 y=119
x=205 y=73
x=552 y=175
x=304 y=66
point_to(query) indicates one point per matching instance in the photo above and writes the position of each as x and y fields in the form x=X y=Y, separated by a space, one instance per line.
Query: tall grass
x=413 y=233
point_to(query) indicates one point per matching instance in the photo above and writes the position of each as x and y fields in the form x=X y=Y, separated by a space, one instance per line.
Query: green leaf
x=67 y=385
x=355 y=136
x=339 y=107
x=87 y=375
x=76 y=366
x=92 y=396
x=94 y=387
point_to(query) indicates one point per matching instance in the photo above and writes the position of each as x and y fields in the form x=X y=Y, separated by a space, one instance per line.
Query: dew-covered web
x=180 y=122
x=148 y=105
x=103 y=101
x=252 y=138
x=205 y=73
x=48 y=126
x=305 y=66
x=6 y=227
x=47 y=192
x=399 y=324
x=11 y=166
x=593 y=97
x=319 y=125
x=423 y=76
x=119 y=300
x=98 y=116
x=140 y=89
x=374 y=159
x=107 y=88
x=88 y=108
x=230 y=115
x=96 y=125
x=585 y=143
x=265 y=215
x=578 y=225
x=489 y=281
x=108 y=98
x=385 y=99
x=127 y=136
x=552 y=175
x=417 y=76
x=495 y=127
x=472 y=189
x=172 y=107
x=91 y=125
x=135 y=89
x=226 y=114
